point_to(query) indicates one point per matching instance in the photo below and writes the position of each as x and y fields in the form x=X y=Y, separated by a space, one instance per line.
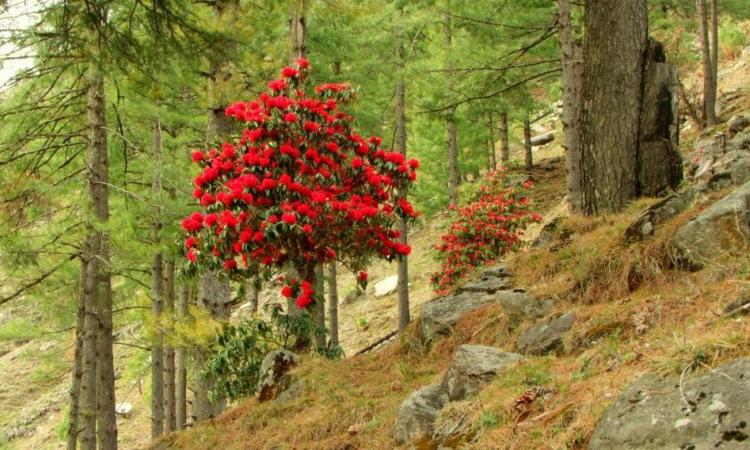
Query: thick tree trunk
x=157 y=298
x=709 y=100
x=75 y=387
x=333 y=307
x=98 y=167
x=612 y=100
x=169 y=355
x=399 y=145
x=571 y=57
x=319 y=309
x=87 y=411
x=453 y=179
x=181 y=361
x=528 y=156
x=491 y=160
x=504 y=139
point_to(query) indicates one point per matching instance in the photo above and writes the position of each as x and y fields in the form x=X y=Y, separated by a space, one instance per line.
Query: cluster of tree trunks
x=620 y=114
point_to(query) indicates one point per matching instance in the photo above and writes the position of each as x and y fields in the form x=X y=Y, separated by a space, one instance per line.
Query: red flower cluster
x=299 y=187
x=484 y=229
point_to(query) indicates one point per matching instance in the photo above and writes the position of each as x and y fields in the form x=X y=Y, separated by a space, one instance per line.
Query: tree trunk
x=453 y=179
x=399 y=145
x=319 y=309
x=87 y=411
x=491 y=162
x=169 y=355
x=75 y=388
x=297 y=31
x=333 y=307
x=252 y=292
x=709 y=103
x=612 y=93
x=571 y=57
x=504 y=139
x=98 y=168
x=528 y=156
x=714 y=60
x=157 y=298
x=181 y=362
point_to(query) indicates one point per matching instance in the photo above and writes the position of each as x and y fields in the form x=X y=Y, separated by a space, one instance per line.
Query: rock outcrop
x=417 y=414
x=472 y=367
x=274 y=376
x=706 y=411
x=545 y=336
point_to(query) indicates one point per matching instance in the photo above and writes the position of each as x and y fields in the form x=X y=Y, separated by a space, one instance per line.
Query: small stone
x=386 y=286
x=124 y=409
x=683 y=423
x=355 y=429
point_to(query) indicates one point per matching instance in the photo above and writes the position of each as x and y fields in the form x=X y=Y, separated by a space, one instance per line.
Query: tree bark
x=333 y=307
x=157 y=297
x=399 y=145
x=297 y=31
x=75 y=388
x=319 y=309
x=709 y=100
x=169 y=354
x=714 y=59
x=491 y=160
x=612 y=99
x=571 y=57
x=453 y=179
x=181 y=361
x=87 y=411
x=528 y=156
x=504 y=139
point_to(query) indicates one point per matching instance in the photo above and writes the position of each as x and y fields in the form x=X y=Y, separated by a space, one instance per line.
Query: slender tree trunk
x=612 y=100
x=709 y=102
x=297 y=30
x=528 y=156
x=453 y=178
x=333 y=307
x=714 y=59
x=571 y=57
x=252 y=293
x=87 y=411
x=399 y=145
x=157 y=298
x=169 y=355
x=491 y=160
x=504 y=139
x=75 y=388
x=181 y=361
x=319 y=310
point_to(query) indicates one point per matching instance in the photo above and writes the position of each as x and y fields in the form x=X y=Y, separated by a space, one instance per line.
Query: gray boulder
x=545 y=336
x=662 y=211
x=417 y=414
x=439 y=316
x=472 y=367
x=738 y=123
x=490 y=281
x=724 y=225
x=274 y=378
x=741 y=141
x=519 y=305
x=653 y=414
x=293 y=392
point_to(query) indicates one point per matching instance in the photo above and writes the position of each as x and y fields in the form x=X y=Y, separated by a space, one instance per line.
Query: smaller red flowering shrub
x=483 y=230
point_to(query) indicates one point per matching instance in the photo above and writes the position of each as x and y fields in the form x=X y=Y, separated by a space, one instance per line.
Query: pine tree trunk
x=453 y=179
x=333 y=307
x=252 y=293
x=504 y=139
x=157 y=298
x=612 y=100
x=528 y=156
x=181 y=361
x=87 y=410
x=399 y=145
x=169 y=355
x=75 y=388
x=98 y=167
x=491 y=162
x=714 y=60
x=709 y=103
x=319 y=309
x=571 y=56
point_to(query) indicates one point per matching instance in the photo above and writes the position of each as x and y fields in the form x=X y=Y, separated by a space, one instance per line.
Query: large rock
x=472 y=367
x=545 y=336
x=274 y=377
x=519 y=305
x=706 y=411
x=417 y=414
x=737 y=123
x=386 y=286
x=663 y=210
x=491 y=280
x=724 y=225
x=439 y=316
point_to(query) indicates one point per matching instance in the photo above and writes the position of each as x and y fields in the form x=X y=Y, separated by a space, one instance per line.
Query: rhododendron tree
x=487 y=227
x=299 y=187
